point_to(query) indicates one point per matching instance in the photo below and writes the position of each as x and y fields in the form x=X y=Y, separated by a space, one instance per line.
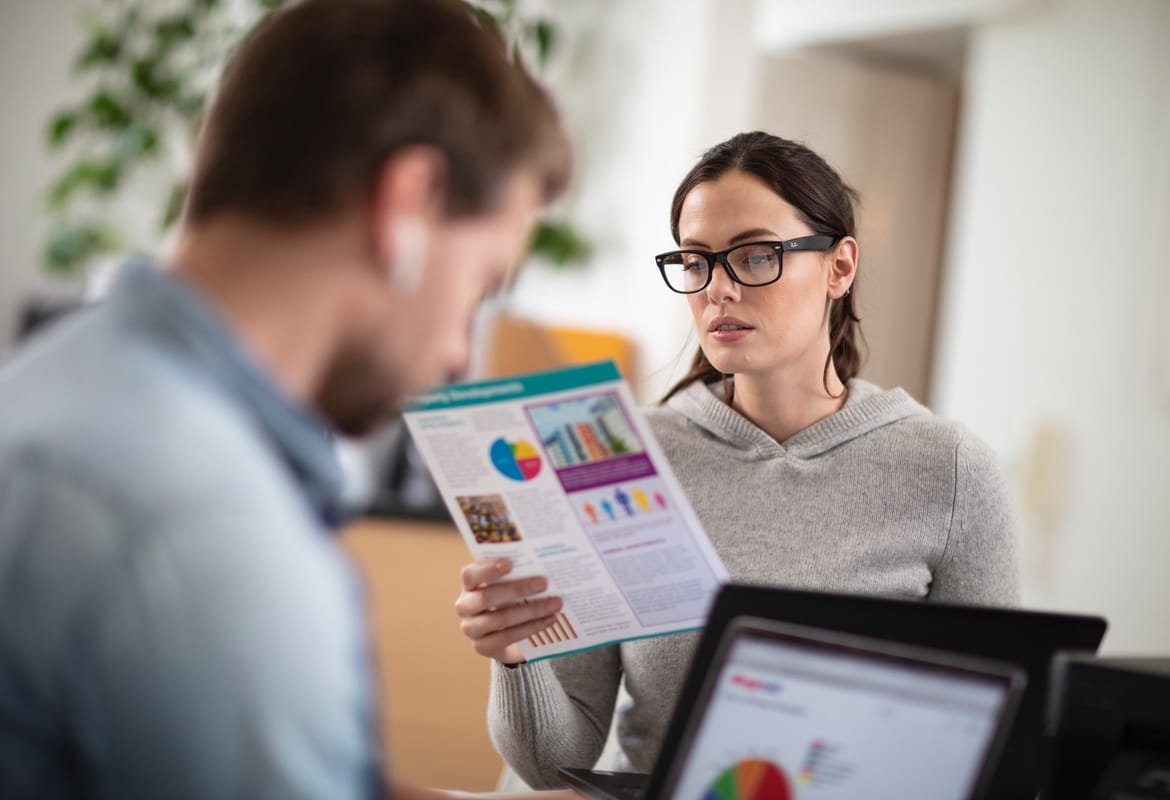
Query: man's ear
x=843 y=267
x=408 y=194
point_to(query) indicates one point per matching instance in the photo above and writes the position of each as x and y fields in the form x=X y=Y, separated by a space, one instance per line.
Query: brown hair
x=824 y=202
x=322 y=92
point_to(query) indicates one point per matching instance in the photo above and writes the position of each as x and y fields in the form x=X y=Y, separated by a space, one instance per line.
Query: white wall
x=37 y=42
x=1052 y=343
x=782 y=24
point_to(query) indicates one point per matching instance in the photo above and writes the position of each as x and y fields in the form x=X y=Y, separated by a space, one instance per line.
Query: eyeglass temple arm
x=808 y=243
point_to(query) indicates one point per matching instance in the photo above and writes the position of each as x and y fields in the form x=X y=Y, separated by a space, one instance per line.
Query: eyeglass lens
x=751 y=264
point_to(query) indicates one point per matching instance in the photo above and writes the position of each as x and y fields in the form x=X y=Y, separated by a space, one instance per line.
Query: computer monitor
x=1109 y=719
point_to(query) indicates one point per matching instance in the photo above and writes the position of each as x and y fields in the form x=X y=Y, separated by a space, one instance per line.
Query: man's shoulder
x=116 y=463
x=99 y=407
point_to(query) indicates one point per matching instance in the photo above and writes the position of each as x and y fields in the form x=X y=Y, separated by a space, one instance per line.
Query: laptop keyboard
x=629 y=792
x=625 y=785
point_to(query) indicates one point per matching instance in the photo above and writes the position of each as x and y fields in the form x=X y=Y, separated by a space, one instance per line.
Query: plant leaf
x=61 y=127
x=143 y=74
x=104 y=47
x=174 y=207
x=107 y=111
x=171 y=30
x=559 y=243
x=545 y=35
x=134 y=142
x=149 y=77
x=73 y=244
x=100 y=177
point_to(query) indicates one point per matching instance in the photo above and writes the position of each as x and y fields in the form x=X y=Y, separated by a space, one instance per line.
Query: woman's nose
x=722 y=288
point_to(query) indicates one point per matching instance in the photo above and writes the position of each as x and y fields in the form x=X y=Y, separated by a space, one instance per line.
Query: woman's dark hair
x=823 y=200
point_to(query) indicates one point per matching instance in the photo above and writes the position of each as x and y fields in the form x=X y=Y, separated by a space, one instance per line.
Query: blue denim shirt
x=176 y=619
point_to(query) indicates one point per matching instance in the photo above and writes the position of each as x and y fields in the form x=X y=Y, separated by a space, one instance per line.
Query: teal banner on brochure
x=504 y=389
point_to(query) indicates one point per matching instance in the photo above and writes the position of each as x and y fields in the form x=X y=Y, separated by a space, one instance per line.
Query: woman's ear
x=842 y=267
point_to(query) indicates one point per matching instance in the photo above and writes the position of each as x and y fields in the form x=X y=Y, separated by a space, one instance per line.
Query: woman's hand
x=496 y=613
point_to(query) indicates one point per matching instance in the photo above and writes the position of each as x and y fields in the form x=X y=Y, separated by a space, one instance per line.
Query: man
x=175 y=619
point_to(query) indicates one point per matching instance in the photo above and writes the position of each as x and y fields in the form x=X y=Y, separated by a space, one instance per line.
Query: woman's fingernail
x=538 y=584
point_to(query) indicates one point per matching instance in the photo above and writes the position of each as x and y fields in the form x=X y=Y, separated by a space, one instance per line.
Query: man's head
x=405 y=120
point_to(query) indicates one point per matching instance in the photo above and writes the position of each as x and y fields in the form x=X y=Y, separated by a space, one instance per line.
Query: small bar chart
x=560 y=631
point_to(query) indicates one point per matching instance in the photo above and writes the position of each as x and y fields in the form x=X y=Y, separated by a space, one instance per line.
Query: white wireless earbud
x=410 y=255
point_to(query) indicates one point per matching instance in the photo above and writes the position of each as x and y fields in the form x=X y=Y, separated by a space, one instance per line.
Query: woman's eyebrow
x=742 y=236
x=751 y=233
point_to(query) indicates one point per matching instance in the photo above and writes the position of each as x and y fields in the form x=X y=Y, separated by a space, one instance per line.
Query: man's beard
x=354 y=398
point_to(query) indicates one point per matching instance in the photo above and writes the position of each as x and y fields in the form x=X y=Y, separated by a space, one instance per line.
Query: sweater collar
x=866 y=408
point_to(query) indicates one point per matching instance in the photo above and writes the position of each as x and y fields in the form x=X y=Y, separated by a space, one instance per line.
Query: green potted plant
x=148 y=72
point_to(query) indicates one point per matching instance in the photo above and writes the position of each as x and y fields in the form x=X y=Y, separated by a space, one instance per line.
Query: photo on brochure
x=488 y=518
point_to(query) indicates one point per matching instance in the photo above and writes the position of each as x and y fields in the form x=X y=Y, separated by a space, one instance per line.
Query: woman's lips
x=728 y=329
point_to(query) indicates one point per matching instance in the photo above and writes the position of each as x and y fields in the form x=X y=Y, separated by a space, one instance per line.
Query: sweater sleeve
x=979 y=563
x=554 y=714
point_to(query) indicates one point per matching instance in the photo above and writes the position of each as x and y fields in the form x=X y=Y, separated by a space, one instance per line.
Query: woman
x=802 y=474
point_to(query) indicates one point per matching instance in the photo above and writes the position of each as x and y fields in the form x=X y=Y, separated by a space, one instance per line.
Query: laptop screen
x=791 y=712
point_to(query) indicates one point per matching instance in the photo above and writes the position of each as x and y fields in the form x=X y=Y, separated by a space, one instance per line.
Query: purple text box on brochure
x=603 y=473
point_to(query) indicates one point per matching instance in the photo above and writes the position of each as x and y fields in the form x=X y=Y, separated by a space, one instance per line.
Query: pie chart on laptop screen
x=752 y=779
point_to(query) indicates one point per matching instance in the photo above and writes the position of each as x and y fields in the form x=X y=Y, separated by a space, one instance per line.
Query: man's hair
x=321 y=93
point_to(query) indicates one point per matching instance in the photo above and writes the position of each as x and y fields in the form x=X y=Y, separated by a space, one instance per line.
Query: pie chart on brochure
x=516 y=460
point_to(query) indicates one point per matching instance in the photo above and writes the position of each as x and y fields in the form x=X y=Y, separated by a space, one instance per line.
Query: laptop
x=1028 y=639
x=785 y=708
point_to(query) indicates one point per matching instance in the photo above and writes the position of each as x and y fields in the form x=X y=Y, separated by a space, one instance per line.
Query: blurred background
x=1013 y=158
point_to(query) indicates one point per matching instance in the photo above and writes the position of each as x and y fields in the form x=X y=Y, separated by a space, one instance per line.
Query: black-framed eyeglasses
x=750 y=264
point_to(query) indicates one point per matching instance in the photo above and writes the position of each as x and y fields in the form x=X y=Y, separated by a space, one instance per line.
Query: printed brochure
x=559 y=472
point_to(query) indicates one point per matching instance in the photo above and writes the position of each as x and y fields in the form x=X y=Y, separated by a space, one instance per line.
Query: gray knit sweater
x=880 y=498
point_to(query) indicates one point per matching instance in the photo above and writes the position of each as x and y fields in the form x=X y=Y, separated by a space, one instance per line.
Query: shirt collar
x=179 y=316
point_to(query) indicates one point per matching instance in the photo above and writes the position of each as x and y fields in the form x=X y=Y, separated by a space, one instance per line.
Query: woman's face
x=757 y=330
